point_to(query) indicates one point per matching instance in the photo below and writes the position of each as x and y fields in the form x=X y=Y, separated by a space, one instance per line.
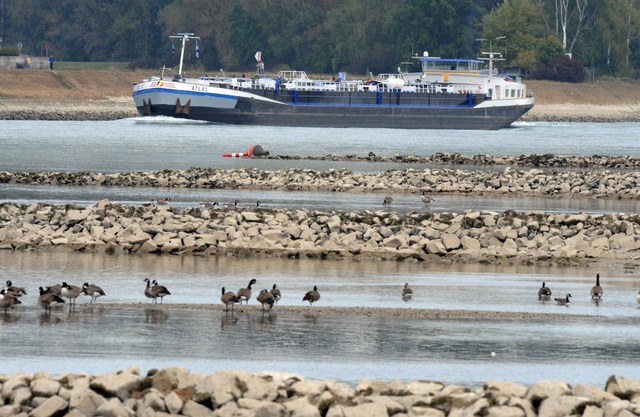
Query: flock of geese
x=544 y=294
x=267 y=298
x=424 y=197
x=10 y=294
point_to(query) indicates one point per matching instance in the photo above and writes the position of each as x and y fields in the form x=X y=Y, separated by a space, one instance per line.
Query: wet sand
x=351 y=311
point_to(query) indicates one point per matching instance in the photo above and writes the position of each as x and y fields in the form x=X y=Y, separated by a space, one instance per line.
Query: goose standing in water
x=275 y=291
x=426 y=199
x=407 y=292
x=387 y=201
x=312 y=296
x=92 y=291
x=229 y=298
x=159 y=291
x=8 y=300
x=161 y=201
x=244 y=294
x=46 y=298
x=596 y=290
x=71 y=292
x=266 y=299
x=17 y=291
x=563 y=301
x=147 y=291
x=544 y=292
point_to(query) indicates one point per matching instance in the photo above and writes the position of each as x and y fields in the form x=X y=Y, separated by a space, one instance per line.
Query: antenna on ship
x=185 y=38
x=497 y=56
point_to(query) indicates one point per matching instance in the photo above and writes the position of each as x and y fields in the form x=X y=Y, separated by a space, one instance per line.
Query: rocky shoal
x=446 y=158
x=473 y=236
x=180 y=392
x=566 y=183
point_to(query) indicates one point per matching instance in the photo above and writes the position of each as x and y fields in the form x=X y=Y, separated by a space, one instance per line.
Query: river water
x=584 y=342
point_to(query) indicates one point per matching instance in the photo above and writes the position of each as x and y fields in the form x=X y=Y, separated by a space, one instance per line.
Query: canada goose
x=275 y=291
x=229 y=298
x=209 y=205
x=253 y=206
x=596 y=290
x=544 y=291
x=387 y=201
x=426 y=199
x=55 y=289
x=18 y=291
x=46 y=298
x=407 y=292
x=266 y=299
x=312 y=296
x=92 y=291
x=245 y=293
x=159 y=291
x=8 y=300
x=232 y=205
x=563 y=301
x=71 y=292
x=148 y=292
x=161 y=201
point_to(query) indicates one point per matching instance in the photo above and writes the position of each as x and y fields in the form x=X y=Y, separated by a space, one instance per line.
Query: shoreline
x=121 y=107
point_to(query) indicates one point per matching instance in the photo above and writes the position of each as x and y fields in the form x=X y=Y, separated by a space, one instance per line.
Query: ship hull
x=350 y=109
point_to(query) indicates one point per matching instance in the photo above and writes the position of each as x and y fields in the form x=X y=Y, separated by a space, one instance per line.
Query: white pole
x=185 y=37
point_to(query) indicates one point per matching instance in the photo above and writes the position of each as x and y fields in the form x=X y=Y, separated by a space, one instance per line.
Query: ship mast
x=185 y=38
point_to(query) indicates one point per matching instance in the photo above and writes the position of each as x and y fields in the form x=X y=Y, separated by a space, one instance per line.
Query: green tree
x=548 y=48
x=520 y=22
x=245 y=36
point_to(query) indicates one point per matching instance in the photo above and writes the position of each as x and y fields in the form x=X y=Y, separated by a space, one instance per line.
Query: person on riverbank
x=51 y=62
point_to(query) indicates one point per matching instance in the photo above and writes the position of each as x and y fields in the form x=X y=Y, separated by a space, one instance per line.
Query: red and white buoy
x=254 y=150
x=236 y=155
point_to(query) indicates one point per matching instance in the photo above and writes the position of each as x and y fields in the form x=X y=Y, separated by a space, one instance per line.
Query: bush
x=9 y=51
x=561 y=68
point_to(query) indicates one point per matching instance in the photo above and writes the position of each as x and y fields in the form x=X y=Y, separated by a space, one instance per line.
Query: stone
x=505 y=389
x=85 y=400
x=504 y=411
x=193 y=409
x=112 y=408
x=301 y=407
x=118 y=384
x=547 y=388
x=362 y=410
x=173 y=403
x=49 y=408
x=623 y=387
x=44 y=387
x=561 y=406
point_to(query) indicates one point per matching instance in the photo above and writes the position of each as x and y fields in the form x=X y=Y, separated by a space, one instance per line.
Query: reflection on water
x=592 y=343
x=313 y=344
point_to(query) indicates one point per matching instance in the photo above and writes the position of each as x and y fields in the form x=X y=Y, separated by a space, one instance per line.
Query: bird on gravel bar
x=312 y=296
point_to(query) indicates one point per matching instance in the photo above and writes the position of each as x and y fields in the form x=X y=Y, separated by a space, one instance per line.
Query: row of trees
x=326 y=36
